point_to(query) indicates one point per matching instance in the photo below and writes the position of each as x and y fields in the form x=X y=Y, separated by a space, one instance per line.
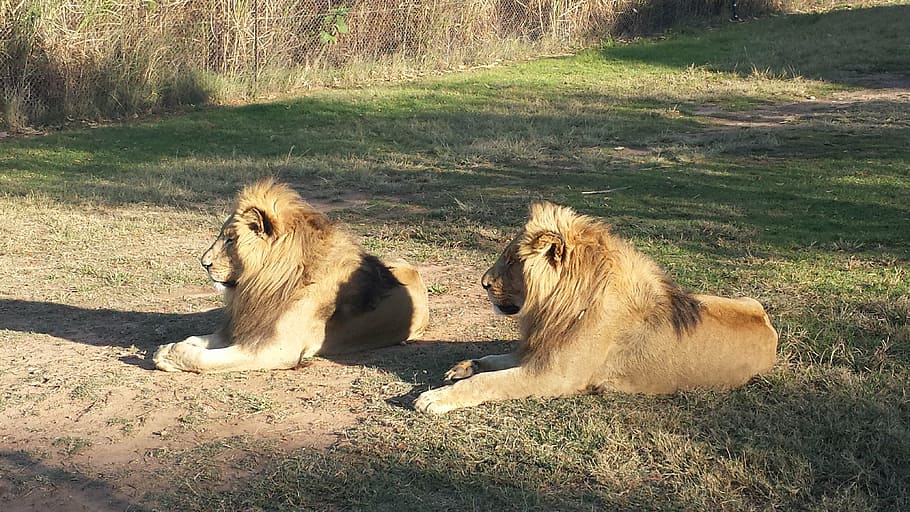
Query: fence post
x=255 y=46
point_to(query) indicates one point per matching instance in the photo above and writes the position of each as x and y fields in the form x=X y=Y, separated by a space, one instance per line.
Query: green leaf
x=326 y=38
x=341 y=26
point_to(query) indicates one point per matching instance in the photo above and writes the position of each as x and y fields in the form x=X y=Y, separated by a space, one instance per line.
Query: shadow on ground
x=417 y=362
x=819 y=444
x=30 y=485
x=104 y=327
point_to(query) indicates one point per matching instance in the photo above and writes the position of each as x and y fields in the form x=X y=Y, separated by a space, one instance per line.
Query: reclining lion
x=296 y=285
x=597 y=315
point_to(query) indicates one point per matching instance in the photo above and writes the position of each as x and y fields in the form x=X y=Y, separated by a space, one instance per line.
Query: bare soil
x=92 y=426
x=88 y=424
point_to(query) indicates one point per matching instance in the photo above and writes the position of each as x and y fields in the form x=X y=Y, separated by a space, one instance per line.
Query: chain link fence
x=81 y=59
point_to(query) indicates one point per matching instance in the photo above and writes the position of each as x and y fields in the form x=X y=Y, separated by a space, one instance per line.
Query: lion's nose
x=485 y=282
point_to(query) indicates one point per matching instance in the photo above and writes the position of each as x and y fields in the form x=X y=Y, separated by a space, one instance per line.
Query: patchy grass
x=742 y=158
x=72 y=445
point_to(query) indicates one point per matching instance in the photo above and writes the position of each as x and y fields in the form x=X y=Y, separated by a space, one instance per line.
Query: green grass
x=807 y=45
x=72 y=445
x=808 y=214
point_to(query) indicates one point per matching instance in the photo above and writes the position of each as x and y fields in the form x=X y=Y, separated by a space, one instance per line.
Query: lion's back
x=376 y=305
x=733 y=341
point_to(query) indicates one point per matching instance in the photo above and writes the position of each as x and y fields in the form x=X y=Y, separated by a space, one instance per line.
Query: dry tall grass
x=87 y=59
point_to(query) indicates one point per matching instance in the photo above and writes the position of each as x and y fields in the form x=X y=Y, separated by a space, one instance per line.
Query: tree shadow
x=755 y=173
x=820 y=443
x=29 y=484
x=834 y=439
x=823 y=443
x=372 y=478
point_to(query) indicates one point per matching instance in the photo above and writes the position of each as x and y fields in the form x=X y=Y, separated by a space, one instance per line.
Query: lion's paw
x=462 y=370
x=197 y=341
x=161 y=359
x=434 y=401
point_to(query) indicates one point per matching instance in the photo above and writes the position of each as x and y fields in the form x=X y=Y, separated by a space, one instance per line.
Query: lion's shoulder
x=652 y=295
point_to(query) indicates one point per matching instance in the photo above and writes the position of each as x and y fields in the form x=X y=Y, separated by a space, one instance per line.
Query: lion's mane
x=278 y=250
x=566 y=296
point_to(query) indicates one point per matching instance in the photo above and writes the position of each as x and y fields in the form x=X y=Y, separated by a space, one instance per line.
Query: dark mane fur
x=366 y=288
x=685 y=309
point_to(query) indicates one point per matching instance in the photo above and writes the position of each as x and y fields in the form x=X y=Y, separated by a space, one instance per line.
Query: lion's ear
x=259 y=223
x=551 y=245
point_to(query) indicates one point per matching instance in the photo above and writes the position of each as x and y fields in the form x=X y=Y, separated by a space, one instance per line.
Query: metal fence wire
x=327 y=33
x=82 y=58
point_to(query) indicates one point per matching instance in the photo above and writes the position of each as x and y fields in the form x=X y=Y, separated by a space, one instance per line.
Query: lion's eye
x=229 y=241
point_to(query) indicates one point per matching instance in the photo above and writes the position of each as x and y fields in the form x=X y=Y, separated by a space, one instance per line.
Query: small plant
x=250 y=403
x=85 y=390
x=334 y=24
x=72 y=445
x=437 y=289
x=126 y=425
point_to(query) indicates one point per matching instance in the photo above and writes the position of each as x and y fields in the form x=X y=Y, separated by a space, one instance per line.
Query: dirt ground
x=87 y=423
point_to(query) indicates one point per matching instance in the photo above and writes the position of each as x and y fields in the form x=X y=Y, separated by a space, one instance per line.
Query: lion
x=296 y=285
x=597 y=315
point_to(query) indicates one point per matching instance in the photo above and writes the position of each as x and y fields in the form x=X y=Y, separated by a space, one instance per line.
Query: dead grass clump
x=88 y=60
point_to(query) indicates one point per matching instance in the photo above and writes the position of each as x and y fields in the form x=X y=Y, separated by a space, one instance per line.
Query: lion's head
x=221 y=261
x=504 y=282
x=533 y=260
x=260 y=240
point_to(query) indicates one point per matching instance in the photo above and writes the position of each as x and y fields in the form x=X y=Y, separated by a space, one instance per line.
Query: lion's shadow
x=104 y=327
x=421 y=363
x=418 y=362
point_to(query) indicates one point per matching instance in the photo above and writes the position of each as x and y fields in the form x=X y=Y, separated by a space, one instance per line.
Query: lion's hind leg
x=410 y=278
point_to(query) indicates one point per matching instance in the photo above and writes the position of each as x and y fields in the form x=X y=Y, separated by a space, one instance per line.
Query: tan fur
x=597 y=315
x=296 y=285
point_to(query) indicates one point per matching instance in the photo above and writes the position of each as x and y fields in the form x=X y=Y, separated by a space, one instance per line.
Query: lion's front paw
x=435 y=401
x=161 y=359
x=462 y=370
x=197 y=341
